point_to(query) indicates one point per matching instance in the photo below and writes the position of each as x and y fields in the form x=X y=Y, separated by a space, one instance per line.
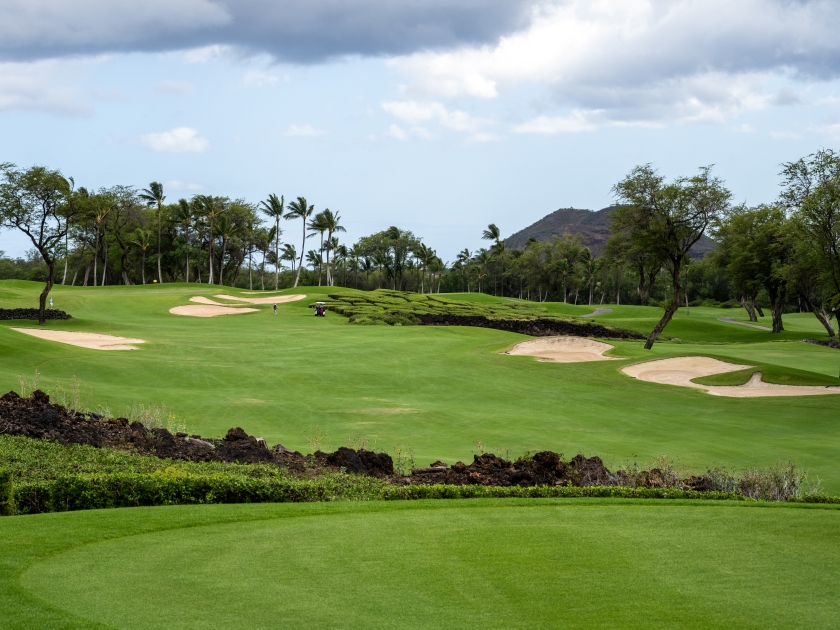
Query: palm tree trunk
x=160 y=275
x=96 y=255
x=277 y=252
x=79 y=265
x=222 y=263
x=66 y=254
x=143 y=268
x=104 y=258
x=302 y=247
x=187 y=271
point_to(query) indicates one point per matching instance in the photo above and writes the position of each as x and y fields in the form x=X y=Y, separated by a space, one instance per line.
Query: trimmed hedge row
x=442 y=491
x=100 y=491
x=173 y=487
x=31 y=313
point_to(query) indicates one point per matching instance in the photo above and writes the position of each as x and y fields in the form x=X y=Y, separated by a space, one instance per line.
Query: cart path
x=729 y=320
x=598 y=311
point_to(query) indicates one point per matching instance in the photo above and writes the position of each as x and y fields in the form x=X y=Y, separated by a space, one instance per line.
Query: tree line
x=780 y=256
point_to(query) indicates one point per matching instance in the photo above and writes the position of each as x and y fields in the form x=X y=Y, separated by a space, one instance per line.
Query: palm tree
x=211 y=208
x=153 y=195
x=273 y=207
x=250 y=234
x=289 y=254
x=100 y=213
x=184 y=215
x=225 y=228
x=263 y=240
x=331 y=220
x=142 y=238
x=492 y=233
x=465 y=258
x=315 y=259
x=300 y=210
x=318 y=224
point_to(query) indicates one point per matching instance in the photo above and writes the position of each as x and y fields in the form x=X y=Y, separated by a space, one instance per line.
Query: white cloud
x=785 y=135
x=179 y=140
x=743 y=128
x=397 y=132
x=414 y=113
x=42 y=86
x=303 y=130
x=175 y=88
x=643 y=61
x=180 y=185
x=578 y=121
x=259 y=78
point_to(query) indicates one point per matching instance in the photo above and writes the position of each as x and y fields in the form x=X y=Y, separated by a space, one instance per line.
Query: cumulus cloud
x=292 y=30
x=415 y=113
x=643 y=61
x=179 y=140
x=303 y=130
x=41 y=87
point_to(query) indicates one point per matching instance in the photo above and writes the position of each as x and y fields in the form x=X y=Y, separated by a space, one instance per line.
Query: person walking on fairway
x=50 y=302
x=275 y=308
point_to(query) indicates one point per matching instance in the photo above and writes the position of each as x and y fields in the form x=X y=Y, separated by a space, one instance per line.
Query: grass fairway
x=480 y=563
x=435 y=389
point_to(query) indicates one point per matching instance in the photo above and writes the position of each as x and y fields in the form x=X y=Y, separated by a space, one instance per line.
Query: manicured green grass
x=435 y=389
x=484 y=563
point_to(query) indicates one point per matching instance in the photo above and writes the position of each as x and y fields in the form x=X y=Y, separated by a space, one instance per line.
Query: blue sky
x=439 y=117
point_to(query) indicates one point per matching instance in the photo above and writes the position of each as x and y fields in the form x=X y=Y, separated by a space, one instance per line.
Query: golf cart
x=320 y=309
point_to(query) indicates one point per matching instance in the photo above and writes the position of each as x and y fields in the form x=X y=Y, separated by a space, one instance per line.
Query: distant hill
x=593 y=225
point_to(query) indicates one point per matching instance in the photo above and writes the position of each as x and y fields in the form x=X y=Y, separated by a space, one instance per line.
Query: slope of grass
x=484 y=563
x=437 y=390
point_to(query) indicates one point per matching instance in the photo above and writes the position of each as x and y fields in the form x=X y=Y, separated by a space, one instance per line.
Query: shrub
x=7 y=495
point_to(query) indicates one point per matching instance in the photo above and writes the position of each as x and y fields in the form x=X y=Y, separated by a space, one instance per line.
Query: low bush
x=7 y=501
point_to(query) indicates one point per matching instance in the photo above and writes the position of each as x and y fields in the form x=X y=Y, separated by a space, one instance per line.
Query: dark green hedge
x=441 y=491
x=7 y=500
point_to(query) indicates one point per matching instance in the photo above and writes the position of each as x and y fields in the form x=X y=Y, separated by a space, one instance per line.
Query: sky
x=438 y=116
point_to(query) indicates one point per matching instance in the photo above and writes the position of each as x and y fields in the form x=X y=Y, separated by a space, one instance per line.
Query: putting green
x=484 y=563
x=437 y=390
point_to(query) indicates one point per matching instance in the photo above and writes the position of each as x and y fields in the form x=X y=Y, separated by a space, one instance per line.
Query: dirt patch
x=532 y=327
x=83 y=340
x=682 y=370
x=563 y=349
x=729 y=320
x=209 y=310
x=279 y=299
x=31 y=313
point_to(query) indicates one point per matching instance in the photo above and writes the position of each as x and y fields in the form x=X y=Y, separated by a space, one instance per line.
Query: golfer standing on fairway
x=275 y=308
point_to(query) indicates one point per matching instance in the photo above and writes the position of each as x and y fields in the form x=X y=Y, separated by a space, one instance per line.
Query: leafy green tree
x=318 y=225
x=153 y=196
x=668 y=219
x=756 y=245
x=811 y=187
x=184 y=214
x=35 y=201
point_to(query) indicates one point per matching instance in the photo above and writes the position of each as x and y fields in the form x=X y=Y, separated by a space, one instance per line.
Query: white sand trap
x=278 y=299
x=200 y=299
x=564 y=349
x=680 y=371
x=82 y=339
x=209 y=310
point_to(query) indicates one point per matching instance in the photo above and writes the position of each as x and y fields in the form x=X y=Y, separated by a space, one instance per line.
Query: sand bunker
x=209 y=310
x=200 y=299
x=598 y=311
x=277 y=299
x=563 y=349
x=82 y=339
x=680 y=371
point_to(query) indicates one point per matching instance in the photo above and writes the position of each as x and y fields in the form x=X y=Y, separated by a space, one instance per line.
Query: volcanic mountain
x=594 y=226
